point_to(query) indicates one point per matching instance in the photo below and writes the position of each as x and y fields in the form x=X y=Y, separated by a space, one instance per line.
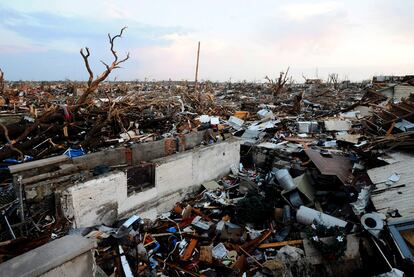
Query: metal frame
x=395 y=229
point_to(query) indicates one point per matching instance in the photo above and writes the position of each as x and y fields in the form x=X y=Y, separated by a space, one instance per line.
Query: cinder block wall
x=105 y=199
x=37 y=190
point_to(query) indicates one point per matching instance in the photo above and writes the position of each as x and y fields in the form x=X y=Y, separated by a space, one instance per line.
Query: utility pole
x=196 y=72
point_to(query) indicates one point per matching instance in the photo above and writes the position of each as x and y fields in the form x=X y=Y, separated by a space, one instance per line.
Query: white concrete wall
x=174 y=172
x=94 y=201
x=81 y=266
x=67 y=256
x=104 y=199
x=208 y=165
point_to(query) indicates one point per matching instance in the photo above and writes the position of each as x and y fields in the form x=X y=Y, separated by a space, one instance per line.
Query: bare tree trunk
x=92 y=85
x=278 y=86
x=333 y=79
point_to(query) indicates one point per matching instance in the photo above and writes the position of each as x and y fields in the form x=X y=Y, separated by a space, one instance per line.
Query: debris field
x=315 y=179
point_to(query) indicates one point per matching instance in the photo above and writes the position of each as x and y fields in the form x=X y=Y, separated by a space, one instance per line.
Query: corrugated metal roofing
x=399 y=195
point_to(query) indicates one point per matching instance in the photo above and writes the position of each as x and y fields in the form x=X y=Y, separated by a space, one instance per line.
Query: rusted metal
x=128 y=156
x=170 y=146
x=334 y=165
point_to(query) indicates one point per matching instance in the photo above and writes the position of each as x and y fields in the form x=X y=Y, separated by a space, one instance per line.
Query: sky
x=240 y=40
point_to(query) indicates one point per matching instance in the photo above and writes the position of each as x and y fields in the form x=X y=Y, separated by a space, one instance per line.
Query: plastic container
x=284 y=179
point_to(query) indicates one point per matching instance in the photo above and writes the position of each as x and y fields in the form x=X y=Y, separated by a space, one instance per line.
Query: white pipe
x=307 y=216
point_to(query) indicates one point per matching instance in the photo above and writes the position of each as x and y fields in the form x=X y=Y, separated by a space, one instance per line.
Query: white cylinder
x=373 y=223
x=307 y=216
x=284 y=179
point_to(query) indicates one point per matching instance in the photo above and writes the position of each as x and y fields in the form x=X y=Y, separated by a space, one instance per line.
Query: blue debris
x=14 y=161
x=172 y=230
x=71 y=153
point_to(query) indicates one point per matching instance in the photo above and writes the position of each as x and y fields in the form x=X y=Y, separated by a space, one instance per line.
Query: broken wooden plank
x=279 y=244
x=189 y=250
x=206 y=254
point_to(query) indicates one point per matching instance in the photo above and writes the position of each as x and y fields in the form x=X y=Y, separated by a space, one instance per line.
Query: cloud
x=303 y=11
x=68 y=33
x=113 y=11
x=239 y=38
x=219 y=59
x=48 y=44
x=314 y=28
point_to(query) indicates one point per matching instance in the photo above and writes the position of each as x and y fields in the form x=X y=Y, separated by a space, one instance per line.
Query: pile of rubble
x=245 y=223
x=322 y=187
x=311 y=196
x=306 y=200
x=46 y=129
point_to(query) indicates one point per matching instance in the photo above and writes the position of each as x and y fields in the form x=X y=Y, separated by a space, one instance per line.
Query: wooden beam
x=188 y=252
x=279 y=244
x=196 y=72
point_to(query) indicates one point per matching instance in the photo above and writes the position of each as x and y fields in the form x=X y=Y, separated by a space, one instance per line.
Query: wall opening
x=140 y=177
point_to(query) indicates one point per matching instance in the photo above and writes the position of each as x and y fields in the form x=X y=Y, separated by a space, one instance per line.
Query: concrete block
x=148 y=151
x=106 y=157
x=194 y=139
x=67 y=256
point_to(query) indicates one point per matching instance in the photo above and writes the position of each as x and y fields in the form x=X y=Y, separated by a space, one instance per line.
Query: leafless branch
x=269 y=80
x=85 y=58
x=111 y=41
x=278 y=85
x=105 y=64
x=6 y=135
x=333 y=78
x=304 y=77
x=94 y=83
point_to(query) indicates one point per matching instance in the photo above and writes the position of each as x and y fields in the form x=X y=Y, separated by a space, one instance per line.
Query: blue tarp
x=14 y=161
x=74 y=152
